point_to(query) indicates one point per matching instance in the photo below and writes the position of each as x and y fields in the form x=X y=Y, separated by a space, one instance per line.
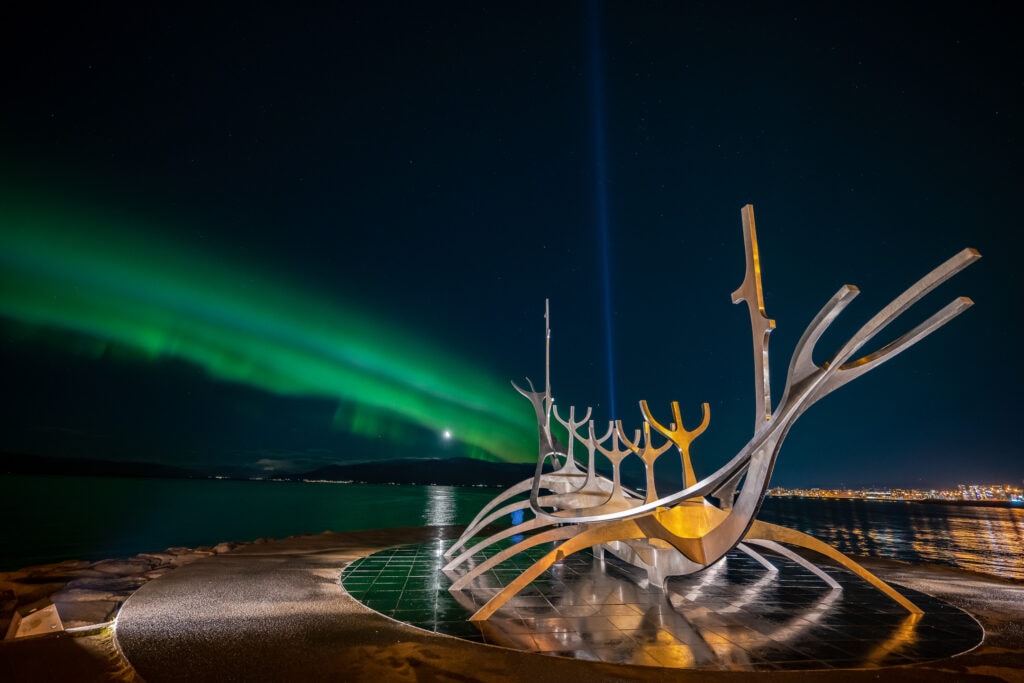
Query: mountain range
x=443 y=471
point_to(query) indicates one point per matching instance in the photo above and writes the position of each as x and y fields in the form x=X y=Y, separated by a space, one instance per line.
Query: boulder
x=133 y=566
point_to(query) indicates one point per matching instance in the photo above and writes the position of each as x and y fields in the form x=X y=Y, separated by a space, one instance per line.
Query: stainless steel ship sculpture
x=685 y=532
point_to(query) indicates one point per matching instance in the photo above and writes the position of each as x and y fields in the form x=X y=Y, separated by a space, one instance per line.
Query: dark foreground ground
x=276 y=611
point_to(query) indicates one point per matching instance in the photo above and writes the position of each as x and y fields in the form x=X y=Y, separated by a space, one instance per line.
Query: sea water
x=49 y=519
x=989 y=540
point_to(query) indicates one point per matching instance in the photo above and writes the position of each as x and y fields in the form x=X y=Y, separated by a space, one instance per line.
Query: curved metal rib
x=552 y=481
x=802 y=364
x=518 y=529
x=854 y=369
x=555 y=534
x=541 y=402
x=575 y=542
x=475 y=525
x=903 y=302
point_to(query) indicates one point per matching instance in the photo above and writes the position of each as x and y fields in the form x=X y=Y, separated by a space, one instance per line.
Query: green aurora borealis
x=121 y=284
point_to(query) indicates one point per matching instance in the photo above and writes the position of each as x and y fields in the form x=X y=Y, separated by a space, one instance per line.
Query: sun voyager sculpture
x=685 y=532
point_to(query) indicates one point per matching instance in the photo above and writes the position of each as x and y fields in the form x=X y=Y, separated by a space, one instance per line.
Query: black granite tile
x=744 y=619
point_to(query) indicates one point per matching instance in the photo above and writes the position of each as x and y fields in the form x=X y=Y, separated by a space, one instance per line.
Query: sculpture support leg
x=773 y=532
x=556 y=534
x=518 y=529
x=756 y=556
x=584 y=539
x=803 y=562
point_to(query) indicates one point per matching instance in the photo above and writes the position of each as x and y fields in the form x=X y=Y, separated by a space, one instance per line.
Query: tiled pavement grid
x=735 y=615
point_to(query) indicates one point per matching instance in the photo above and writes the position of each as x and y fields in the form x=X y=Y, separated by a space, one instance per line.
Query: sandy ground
x=327 y=633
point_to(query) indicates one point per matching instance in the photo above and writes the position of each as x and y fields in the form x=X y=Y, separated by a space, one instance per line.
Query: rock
x=173 y=557
x=225 y=547
x=192 y=557
x=128 y=567
x=87 y=573
x=70 y=595
x=27 y=589
x=46 y=573
x=61 y=567
x=157 y=559
x=7 y=605
x=120 y=583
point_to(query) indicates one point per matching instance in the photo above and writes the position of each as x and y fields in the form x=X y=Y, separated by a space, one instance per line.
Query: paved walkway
x=736 y=616
x=278 y=612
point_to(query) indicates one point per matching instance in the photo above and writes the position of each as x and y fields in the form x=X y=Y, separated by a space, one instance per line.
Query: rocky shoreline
x=77 y=594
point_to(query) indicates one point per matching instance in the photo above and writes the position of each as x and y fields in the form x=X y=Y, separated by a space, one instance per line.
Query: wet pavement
x=735 y=616
x=280 y=612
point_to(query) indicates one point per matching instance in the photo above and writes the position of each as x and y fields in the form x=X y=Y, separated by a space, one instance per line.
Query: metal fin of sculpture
x=683 y=532
x=761 y=325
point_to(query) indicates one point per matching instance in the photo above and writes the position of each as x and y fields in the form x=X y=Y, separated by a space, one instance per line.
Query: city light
x=963 y=493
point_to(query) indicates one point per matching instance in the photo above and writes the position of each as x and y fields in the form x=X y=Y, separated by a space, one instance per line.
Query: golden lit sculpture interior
x=684 y=532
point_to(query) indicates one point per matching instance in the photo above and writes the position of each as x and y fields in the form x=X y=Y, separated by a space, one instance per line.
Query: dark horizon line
x=38 y=465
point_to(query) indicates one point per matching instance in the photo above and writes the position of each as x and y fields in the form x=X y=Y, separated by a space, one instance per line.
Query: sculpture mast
x=760 y=324
x=547 y=357
x=548 y=402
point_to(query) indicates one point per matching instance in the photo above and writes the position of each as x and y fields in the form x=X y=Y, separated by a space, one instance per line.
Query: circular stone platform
x=734 y=616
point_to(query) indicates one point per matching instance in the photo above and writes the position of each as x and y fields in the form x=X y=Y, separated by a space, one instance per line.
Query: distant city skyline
x=990 y=492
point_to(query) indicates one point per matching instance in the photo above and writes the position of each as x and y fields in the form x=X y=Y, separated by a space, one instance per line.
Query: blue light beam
x=601 y=187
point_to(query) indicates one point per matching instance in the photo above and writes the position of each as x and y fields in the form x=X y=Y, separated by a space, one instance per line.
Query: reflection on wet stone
x=733 y=616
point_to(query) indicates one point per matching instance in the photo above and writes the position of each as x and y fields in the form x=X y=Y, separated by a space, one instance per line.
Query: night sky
x=255 y=238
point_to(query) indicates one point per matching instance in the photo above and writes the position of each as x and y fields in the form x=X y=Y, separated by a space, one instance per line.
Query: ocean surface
x=49 y=519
